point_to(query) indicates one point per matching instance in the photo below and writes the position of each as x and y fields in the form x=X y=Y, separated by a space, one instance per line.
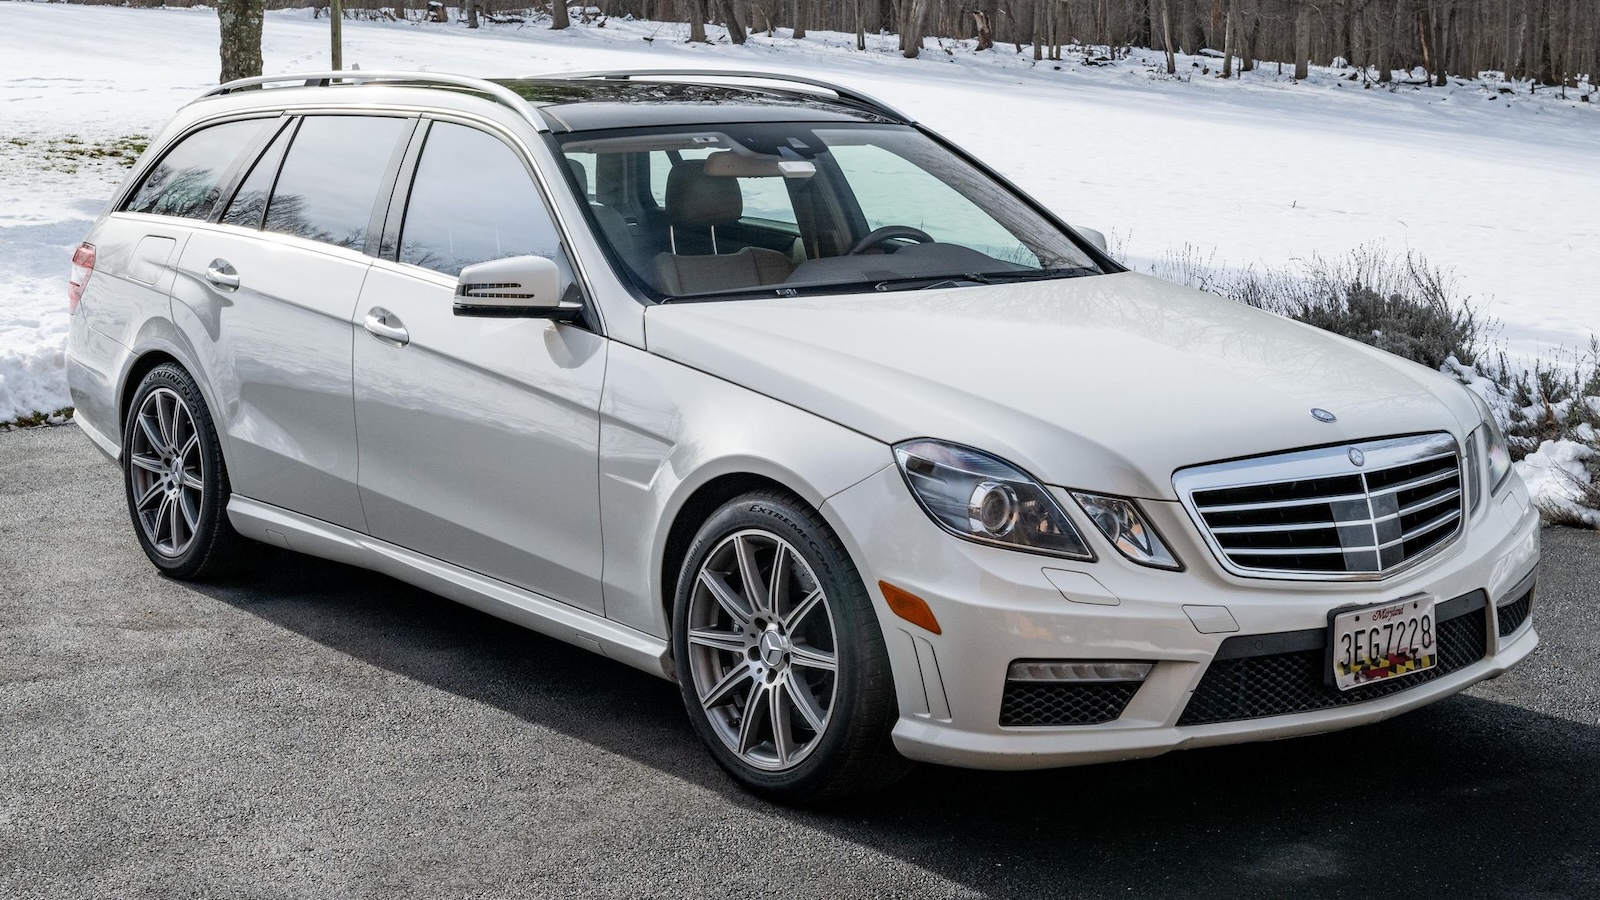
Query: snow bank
x=1558 y=479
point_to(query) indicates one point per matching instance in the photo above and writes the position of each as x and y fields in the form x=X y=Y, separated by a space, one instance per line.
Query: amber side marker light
x=910 y=607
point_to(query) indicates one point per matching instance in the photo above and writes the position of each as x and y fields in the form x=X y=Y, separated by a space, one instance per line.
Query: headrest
x=695 y=198
x=580 y=173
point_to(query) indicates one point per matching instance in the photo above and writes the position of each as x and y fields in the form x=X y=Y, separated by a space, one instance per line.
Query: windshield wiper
x=1014 y=277
x=907 y=282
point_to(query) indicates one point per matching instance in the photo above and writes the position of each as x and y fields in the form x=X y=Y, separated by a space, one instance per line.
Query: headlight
x=1495 y=456
x=1127 y=529
x=981 y=498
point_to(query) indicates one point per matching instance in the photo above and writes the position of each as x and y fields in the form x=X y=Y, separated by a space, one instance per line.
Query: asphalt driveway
x=320 y=731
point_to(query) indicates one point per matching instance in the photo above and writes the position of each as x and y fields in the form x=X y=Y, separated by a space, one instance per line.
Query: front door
x=478 y=437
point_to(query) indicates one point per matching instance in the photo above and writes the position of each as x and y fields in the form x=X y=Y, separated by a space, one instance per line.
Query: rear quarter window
x=188 y=180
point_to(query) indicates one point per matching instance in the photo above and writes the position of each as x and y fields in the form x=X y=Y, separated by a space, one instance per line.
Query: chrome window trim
x=319 y=105
x=1319 y=462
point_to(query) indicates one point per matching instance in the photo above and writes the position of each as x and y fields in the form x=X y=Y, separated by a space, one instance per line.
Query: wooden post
x=336 y=22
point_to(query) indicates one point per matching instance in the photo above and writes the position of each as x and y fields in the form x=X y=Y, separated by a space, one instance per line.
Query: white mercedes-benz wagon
x=752 y=383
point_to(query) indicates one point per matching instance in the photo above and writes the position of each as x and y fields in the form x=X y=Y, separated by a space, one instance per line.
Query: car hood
x=1108 y=383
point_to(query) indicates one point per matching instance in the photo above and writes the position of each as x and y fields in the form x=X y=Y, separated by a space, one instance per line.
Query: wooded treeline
x=1547 y=41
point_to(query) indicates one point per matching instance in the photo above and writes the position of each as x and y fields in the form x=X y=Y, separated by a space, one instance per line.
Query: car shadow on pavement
x=1468 y=797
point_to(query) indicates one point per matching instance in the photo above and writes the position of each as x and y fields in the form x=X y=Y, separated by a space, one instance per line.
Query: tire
x=176 y=482
x=809 y=656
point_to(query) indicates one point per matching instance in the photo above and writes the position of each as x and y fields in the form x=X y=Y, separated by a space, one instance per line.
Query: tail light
x=82 y=268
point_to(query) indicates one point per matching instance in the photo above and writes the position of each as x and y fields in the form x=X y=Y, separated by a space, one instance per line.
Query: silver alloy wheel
x=168 y=471
x=762 y=649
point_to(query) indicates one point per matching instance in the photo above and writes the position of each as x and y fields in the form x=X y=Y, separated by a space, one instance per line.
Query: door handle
x=386 y=326
x=223 y=275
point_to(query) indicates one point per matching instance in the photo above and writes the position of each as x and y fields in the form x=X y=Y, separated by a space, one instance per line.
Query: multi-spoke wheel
x=176 y=482
x=168 y=471
x=779 y=654
x=761 y=649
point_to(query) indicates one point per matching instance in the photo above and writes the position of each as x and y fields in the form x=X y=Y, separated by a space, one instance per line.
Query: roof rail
x=500 y=93
x=843 y=93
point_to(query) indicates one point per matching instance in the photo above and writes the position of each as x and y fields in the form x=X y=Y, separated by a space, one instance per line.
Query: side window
x=767 y=198
x=473 y=200
x=249 y=203
x=188 y=180
x=585 y=166
x=330 y=180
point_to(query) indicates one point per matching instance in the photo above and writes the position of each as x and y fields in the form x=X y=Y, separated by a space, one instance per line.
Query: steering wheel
x=889 y=233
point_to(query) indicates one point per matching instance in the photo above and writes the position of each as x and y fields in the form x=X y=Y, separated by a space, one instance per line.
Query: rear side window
x=249 y=203
x=454 y=219
x=330 y=180
x=188 y=181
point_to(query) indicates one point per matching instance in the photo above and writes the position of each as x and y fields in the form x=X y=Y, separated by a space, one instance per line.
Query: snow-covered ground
x=1501 y=189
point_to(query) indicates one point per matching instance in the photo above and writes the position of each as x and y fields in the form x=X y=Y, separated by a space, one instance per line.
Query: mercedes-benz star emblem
x=1322 y=415
x=1357 y=458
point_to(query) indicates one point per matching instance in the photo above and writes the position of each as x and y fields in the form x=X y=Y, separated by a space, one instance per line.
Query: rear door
x=479 y=437
x=266 y=294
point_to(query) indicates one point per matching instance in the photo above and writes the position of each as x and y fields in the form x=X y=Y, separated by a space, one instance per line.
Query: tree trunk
x=1166 y=36
x=730 y=13
x=1041 y=28
x=472 y=13
x=801 y=10
x=861 y=25
x=697 y=20
x=559 y=19
x=1228 y=38
x=1252 y=37
x=240 y=47
x=1302 y=43
x=914 y=19
x=981 y=21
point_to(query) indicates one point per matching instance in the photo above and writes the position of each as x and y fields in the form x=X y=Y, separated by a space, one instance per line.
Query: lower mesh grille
x=1064 y=703
x=1513 y=614
x=1243 y=683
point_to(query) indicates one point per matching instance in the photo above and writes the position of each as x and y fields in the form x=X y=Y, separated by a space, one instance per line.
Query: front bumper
x=996 y=606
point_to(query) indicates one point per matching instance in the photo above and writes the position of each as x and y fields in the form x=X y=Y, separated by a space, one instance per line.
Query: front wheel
x=779 y=655
x=176 y=483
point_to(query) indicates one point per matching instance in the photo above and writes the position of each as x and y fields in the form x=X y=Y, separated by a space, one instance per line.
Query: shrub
x=1396 y=303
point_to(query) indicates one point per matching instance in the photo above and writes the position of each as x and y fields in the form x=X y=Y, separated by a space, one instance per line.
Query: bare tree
x=1302 y=43
x=1166 y=37
x=1228 y=38
x=240 y=47
x=559 y=18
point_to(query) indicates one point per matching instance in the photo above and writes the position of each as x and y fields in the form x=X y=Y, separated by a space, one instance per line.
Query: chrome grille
x=1361 y=510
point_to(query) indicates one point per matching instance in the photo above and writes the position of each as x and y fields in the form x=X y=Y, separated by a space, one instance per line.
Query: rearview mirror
x=518 y=287
x=1094 y=237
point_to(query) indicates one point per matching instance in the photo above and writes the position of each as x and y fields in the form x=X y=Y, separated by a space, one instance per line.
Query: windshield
x=783 y=209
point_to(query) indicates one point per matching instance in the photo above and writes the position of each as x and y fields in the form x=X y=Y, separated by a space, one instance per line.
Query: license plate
x=1377 y=643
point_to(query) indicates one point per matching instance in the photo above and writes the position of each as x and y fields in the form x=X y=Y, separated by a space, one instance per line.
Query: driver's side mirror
x=1094 y=237
x=518 y=287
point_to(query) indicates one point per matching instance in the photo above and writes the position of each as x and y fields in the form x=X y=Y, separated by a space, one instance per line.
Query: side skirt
x=302 y=534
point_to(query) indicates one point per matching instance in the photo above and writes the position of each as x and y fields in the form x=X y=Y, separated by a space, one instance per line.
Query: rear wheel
x=176 y=482
x=779 y=655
